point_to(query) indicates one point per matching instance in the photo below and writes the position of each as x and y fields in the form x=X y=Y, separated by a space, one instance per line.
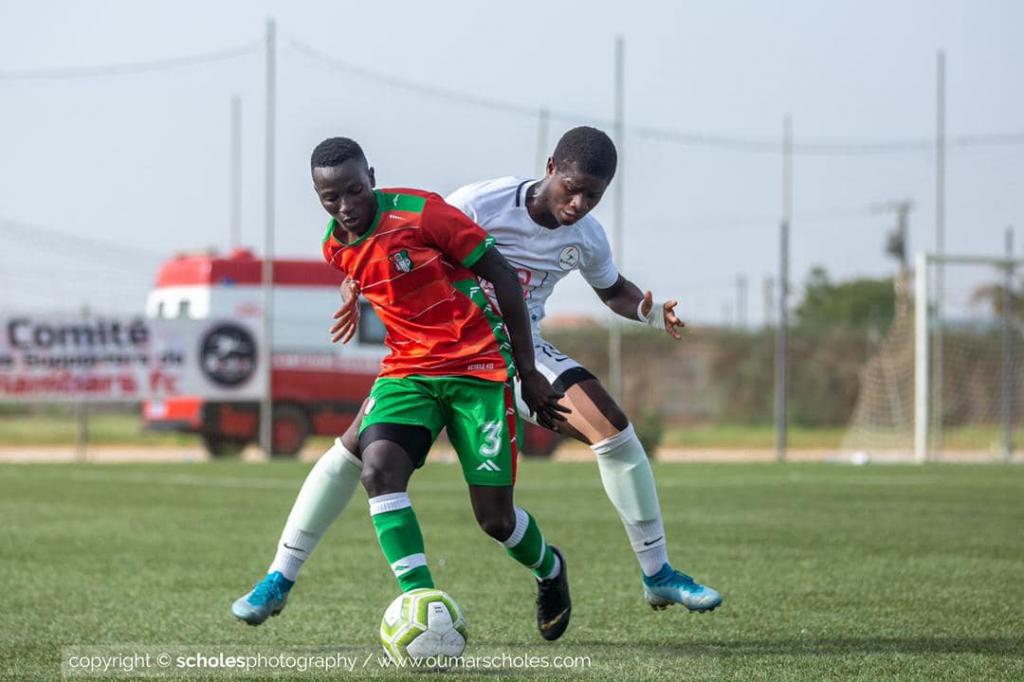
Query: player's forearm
x=509 y=293
x=623 y=298
x=517 y=320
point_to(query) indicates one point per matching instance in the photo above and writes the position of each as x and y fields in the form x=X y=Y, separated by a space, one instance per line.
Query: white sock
x=556 y=568
x=629 y=484
x=518 y=531
x=327 y=489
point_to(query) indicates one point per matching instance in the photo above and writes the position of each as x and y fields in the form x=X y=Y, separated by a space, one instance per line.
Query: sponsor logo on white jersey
x=569 y=258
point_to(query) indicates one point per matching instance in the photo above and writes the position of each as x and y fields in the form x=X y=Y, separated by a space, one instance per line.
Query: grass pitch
x=829 y=572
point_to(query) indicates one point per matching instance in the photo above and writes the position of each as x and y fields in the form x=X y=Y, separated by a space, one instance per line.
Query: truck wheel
x=223 y=446
x=290 y=430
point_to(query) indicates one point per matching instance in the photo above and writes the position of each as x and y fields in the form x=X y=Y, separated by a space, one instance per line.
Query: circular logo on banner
x=227 y=355
x=569 y=258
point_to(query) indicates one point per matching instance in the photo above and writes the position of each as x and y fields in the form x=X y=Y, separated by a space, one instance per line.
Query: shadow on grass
x=992 y=646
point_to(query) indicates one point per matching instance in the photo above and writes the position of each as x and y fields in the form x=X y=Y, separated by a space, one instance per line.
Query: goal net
x=947 y=381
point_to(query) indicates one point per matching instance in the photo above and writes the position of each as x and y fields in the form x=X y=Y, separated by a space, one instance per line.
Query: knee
x=377 y=480
x=498 y=525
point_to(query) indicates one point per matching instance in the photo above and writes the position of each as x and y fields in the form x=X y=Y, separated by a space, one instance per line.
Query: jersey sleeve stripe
x=402 y=202
x=477 y=253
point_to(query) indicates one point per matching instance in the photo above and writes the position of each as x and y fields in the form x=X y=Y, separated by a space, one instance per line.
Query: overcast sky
x=115 y=172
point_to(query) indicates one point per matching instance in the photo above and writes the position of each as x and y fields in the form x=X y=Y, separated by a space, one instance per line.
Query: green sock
x=399 y=535
x=527 y=546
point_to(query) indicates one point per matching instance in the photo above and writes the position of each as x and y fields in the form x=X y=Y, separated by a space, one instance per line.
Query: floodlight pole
x=741 y=301
x=82 y=417
x=267 y=273
x=236 y=172
x=940 y=240
x=782 y=329
x=543 y=132
x=768 y=300
x=615 y=328
x=1008 y=374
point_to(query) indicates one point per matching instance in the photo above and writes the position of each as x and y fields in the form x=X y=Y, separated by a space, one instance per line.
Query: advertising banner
x=122 y=359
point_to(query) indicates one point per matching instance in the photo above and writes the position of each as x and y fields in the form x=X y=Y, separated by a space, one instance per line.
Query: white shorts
x=552 y=363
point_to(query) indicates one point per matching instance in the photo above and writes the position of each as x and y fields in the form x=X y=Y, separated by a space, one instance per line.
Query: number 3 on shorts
x=492 y=439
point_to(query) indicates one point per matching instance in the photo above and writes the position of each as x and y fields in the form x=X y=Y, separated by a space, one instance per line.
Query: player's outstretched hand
x=670 y=322
x=347 y=315
x=542 y=399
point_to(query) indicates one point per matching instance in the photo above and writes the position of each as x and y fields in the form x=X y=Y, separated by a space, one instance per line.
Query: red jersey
x=412 y=265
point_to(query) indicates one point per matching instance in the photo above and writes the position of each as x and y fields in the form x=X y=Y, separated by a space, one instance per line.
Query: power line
x=754 y=144
x=823 y=147
x=128 y=68
x=399 y=82
x=55 y=237
x=738 y=143
x=764 y=223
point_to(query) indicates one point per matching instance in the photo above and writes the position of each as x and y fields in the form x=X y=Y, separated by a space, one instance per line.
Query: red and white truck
x=316 y=386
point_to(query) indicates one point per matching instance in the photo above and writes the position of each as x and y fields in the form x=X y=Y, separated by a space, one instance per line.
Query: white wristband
x=654 y=319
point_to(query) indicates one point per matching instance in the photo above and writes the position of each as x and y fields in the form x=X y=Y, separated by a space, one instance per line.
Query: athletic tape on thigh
x=571 y=377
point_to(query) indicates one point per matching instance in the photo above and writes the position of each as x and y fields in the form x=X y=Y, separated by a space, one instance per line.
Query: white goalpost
x=928 y=329
x=947 y=380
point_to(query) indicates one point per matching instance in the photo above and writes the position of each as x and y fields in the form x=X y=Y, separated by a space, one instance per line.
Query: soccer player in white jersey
x=545 y=230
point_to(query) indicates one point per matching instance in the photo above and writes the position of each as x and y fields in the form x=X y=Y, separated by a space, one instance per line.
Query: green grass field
x=122 y=427
x=829 y=572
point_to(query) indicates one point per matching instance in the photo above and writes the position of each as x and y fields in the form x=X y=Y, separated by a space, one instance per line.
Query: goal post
x=929 y=323
x=946 y=381
x=922 y=385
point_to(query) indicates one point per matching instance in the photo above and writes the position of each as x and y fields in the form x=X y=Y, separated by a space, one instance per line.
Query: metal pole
x=543 y=132
x=236 y=171
x=921 y=373
x=82 y=416
x=615 y=330
x=1008 y=378
x=782 y=330
x=267 y=275
x=768 y=300
x=940 y=244
x=741 y=301
x=81 y=430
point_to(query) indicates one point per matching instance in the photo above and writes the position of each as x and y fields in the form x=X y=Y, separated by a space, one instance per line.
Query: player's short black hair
x=335 y=151
x=589 y=149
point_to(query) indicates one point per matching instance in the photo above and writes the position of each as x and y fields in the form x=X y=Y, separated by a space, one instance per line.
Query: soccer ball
x=421 y=624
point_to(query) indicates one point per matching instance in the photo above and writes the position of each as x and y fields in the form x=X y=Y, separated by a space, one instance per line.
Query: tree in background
x=991 y=295
x=862 y=303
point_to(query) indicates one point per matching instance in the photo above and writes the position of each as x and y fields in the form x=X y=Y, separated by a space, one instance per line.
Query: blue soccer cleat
x=266 y=599
x=668 y=586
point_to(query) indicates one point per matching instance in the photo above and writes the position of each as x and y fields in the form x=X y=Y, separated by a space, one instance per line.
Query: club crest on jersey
x=401 y=261
x=569 y=258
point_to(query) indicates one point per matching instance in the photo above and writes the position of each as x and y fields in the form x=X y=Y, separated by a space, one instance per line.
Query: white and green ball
x=421 y=624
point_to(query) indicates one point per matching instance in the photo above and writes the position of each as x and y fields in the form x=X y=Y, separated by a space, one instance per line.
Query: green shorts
x=480 y=417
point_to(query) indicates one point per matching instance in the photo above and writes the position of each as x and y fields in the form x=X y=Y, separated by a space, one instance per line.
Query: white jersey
x=542 y=256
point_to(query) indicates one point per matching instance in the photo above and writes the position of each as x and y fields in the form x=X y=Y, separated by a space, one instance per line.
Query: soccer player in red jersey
x=545 y=230
x=416 y=259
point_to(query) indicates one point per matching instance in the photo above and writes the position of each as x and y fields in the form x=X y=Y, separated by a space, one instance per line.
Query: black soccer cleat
x=554 y=606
